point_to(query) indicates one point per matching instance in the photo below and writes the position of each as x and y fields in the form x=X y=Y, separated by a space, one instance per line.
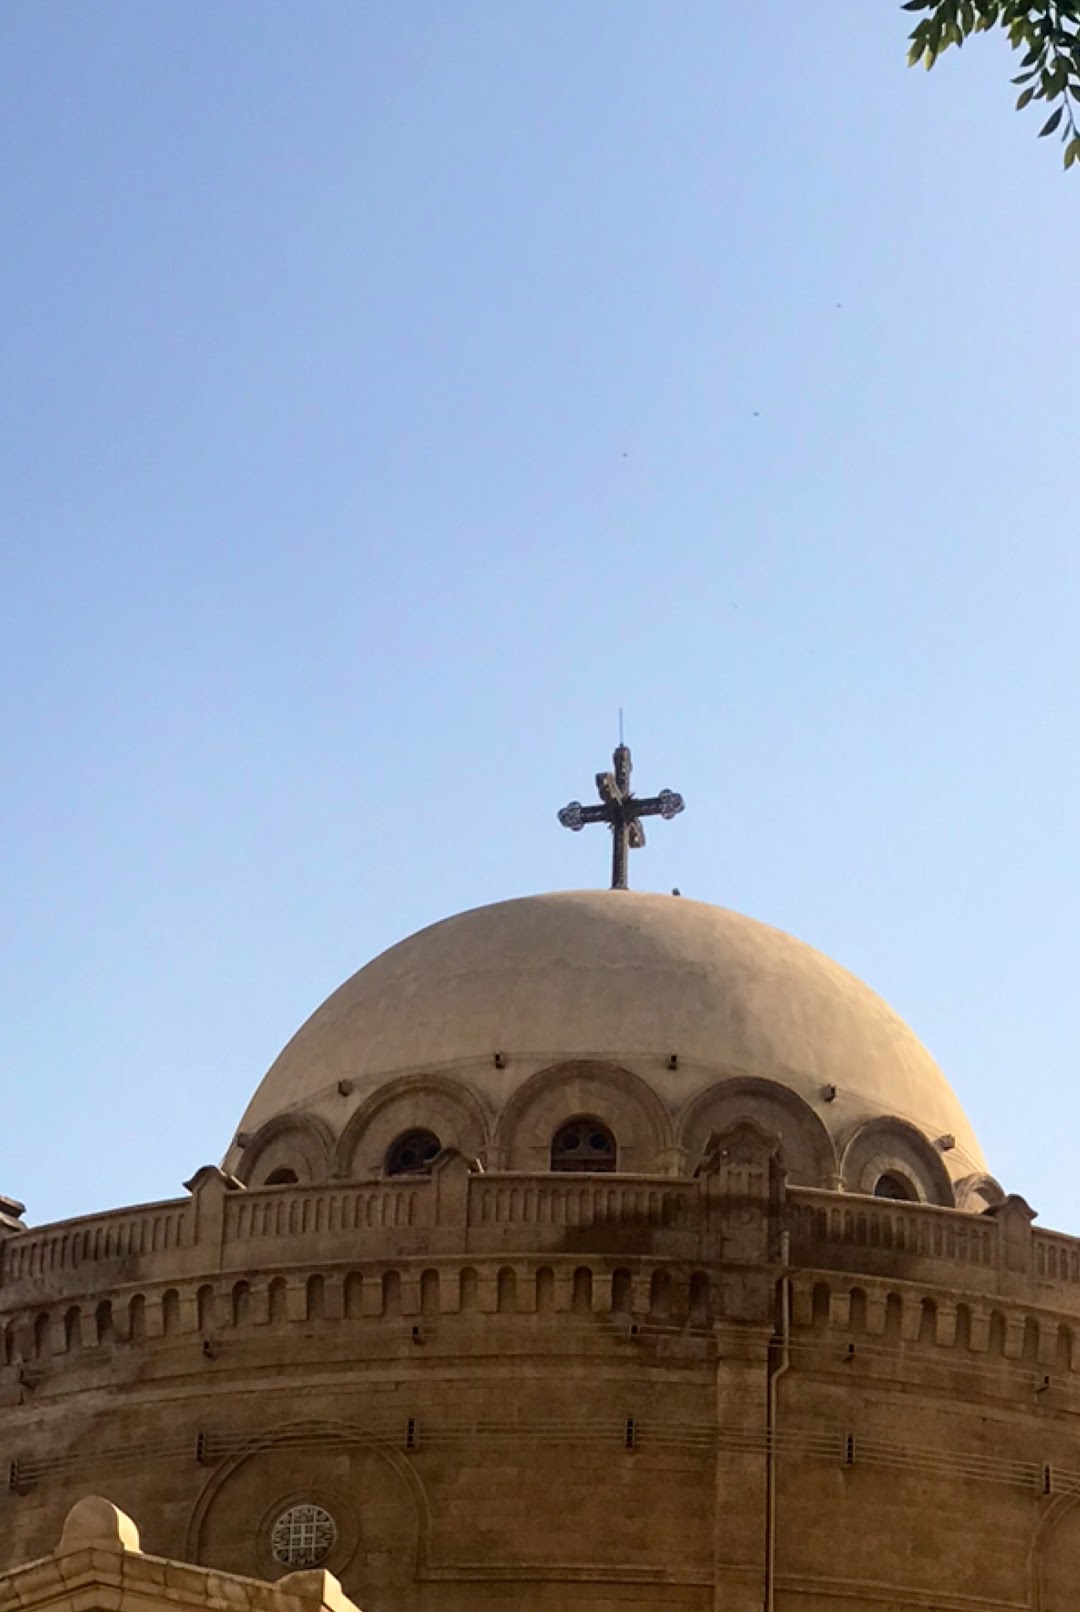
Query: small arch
x=391 y=1293
x=621 y=1292
x=204 y=1307
x=468 y=1289
x=699 y=1299
x=820 y=1304
x=894 y=1317
x=1030 y=1352
x=977 y=1193
x=413 y=1153
x=73 y=1328
x=1063 y=1352
x=807 y=1149
x=103 y=1322
x=895 y=1185
x=963 y=1326
x=353 y=1297
x=996 y=1341
x=616 y=1097
x=429 y=1292
x=277 y=1301
x=170 y=1312
x=137 y=1319
x=506 y=1291
x=41 y=1334
x=660 y=1295
x=283 y=1176
x=545 y=1290
x=857 y=1320
x=928 y=1322
x=241 y=1303
x=315 y=1298
x=894 y=1149
x=446 y=1108
x=302 y=1144
x=581 y=1300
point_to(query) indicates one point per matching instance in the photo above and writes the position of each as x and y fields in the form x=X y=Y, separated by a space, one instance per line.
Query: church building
x=586 y=1251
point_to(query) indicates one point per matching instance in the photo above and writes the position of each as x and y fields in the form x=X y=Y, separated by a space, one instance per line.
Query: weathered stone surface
x=718 y=1376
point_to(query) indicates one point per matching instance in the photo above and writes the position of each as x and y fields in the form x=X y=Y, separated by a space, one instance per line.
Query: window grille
x=413 y=1154
x=303 y=1536
x=583 y=1145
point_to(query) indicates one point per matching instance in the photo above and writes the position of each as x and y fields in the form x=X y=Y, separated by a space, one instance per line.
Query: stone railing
x=284 y=1213
x=571 y=1200
x=223 y=1227
x=1055 y=1257
x=840 y=1229
x=724 y=1216
x=94 y=1240
x=996 y=1252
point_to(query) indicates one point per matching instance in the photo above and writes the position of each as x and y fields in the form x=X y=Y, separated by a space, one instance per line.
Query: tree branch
x=1046 y=31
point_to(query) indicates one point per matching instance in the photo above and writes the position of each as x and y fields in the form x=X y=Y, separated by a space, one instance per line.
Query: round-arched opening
x=583 y=1144
x=413 y=1154
x=281 y=1177
x=894 y=1185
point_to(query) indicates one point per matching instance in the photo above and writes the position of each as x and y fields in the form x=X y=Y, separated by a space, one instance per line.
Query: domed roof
x=620 y=976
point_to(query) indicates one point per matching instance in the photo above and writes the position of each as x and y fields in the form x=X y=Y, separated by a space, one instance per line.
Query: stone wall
x=534 y=1391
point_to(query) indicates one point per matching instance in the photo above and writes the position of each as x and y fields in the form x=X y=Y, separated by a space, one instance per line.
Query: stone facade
x=534 y=1391
x=706 y=1381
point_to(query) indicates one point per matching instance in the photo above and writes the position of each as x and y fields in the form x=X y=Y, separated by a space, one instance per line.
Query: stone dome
x=686 y=997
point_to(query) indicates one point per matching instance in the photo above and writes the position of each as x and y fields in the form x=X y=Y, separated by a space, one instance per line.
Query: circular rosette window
x=303 y=1536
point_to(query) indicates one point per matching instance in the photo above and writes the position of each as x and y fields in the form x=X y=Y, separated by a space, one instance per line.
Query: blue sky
x=391 y=393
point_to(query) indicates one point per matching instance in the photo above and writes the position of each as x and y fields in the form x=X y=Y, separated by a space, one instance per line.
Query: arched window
x=413 y=1154
x=895 y=1185
x=281 y=1177
x=583 y=1144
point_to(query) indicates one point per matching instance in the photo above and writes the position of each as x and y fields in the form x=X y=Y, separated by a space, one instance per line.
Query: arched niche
x=379 y=1544
x=447 y=1108
x=301 y=1144
x=619 y=1099
x=807 y=1148
x=892 y=1148
x=1054 y=1559
x=978 y=1192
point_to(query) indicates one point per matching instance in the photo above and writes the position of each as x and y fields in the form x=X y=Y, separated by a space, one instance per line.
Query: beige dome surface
x=622 y=976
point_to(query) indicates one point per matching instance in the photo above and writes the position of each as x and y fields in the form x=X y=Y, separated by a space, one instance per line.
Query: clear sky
x=390 y=393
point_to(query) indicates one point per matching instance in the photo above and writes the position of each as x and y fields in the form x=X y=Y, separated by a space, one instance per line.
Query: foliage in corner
x=1048 y=33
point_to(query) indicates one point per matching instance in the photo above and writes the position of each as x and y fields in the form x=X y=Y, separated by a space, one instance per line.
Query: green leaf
x=1052 y=122
x=1053 y=81
x=1024 y=98
x=1072 y=151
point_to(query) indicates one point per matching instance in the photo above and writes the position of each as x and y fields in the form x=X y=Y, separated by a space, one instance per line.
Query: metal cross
x=622 y=812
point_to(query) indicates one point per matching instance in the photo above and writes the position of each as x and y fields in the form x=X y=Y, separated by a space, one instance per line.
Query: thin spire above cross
x=622 y=812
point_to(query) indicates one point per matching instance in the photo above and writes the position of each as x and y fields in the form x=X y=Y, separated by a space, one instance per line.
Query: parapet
x=98 y=1559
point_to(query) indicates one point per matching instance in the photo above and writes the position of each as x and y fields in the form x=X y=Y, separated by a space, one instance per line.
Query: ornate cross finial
x=622 y=812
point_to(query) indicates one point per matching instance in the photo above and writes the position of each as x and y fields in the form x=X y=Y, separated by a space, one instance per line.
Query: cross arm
x=666 y=804
x=576 y=815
